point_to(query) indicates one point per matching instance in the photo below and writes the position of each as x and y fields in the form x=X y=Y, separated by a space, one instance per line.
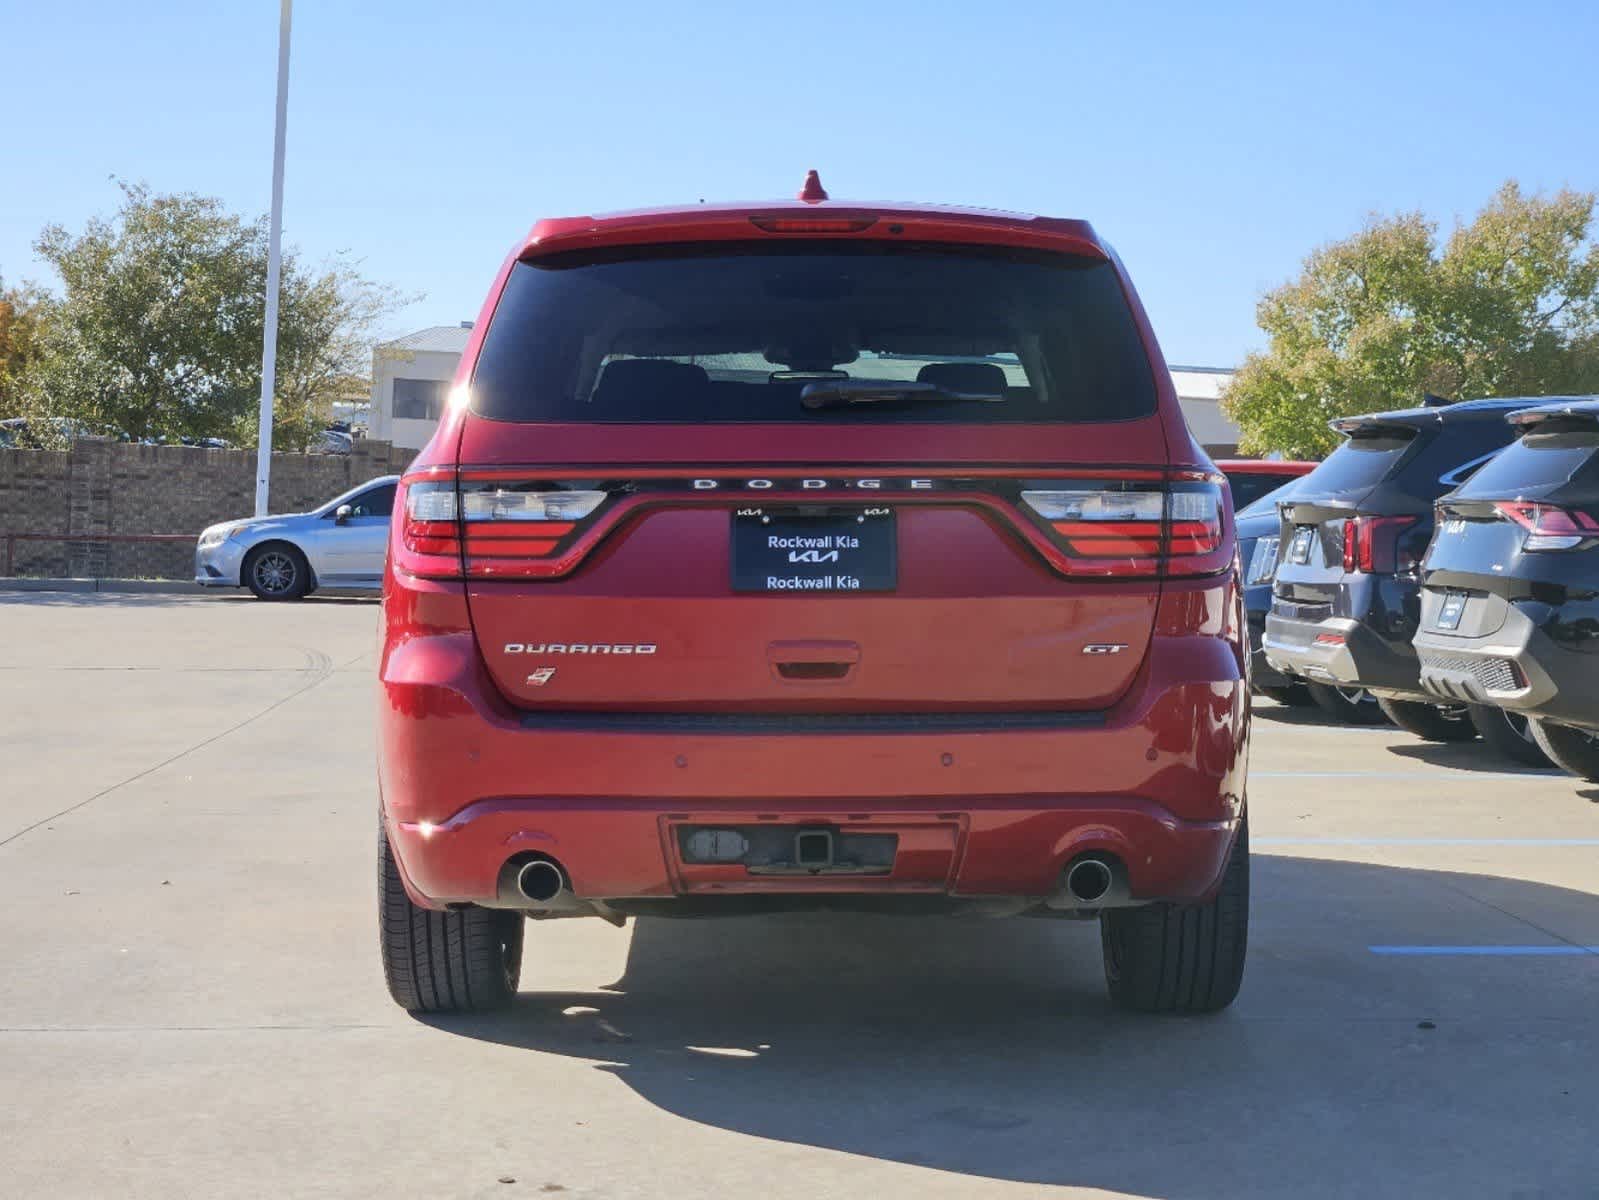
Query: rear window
x=1427 y=462
x=1361 y=463
x=1540 y=460
x=736 y=332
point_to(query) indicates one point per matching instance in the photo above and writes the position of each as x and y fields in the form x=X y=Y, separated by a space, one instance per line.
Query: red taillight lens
x=1142 y=530
x=429 y=542
x=510 y=527
x=1371 y=544
x=1548 y=526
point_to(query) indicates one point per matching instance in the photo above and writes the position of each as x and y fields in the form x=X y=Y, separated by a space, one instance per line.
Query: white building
x=411 y=377
x=1199 y=390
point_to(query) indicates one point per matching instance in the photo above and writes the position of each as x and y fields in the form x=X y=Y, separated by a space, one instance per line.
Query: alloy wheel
x=275 y=573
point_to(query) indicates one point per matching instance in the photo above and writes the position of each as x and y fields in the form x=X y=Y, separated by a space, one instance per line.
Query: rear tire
x=1429 y=722
x=1508 y=734
x=1181 y=958
x=1352 y=706
x=463 y=960
x=1573 y=750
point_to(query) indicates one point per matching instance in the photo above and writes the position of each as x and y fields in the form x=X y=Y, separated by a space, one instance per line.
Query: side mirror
x=342 y=514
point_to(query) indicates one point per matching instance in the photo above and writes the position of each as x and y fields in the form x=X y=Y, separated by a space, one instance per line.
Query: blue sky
x=1215 y=145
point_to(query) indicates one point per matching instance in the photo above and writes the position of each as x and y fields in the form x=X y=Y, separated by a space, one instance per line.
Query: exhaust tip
x=540 y=880
x=1089 y=880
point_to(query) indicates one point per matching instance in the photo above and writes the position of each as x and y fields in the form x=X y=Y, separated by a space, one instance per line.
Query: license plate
x=776 y=551
x=1449 y=614
x=1299 y=548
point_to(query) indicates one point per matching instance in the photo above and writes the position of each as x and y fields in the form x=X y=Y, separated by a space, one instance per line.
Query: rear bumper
x=1158 y=781
x=1343 y=652
x=1520 y=666
x=1262 y=674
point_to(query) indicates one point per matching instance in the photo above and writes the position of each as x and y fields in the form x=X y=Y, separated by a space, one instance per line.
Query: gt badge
x=1104 y=647
x=540 y=677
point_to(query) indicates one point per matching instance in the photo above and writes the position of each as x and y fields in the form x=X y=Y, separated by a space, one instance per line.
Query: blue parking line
x=1419 y=841
x=1452 y=774
x=1562 y=951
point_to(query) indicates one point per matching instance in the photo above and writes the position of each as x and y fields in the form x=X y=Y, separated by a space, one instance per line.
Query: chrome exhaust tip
x=1089 y=880
x=540 y=881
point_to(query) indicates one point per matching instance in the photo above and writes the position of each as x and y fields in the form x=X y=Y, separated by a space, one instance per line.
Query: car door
x=353 y=550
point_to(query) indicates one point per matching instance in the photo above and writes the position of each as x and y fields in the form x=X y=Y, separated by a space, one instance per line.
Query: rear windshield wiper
x=846 y=393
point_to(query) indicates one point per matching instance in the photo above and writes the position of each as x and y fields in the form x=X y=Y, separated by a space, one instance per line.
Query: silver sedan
x=339 y=545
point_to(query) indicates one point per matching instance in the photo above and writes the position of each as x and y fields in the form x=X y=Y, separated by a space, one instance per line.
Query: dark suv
x=813 y=555
x=1510 y=612
x=1347 y=593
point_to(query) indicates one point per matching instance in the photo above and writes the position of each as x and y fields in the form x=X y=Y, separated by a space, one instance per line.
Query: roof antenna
x=813 y=192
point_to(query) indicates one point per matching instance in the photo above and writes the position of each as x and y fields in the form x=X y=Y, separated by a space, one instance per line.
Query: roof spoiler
x=1377 y=424
x=1578 y=414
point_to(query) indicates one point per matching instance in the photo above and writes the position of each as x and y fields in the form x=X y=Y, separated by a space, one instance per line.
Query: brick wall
x=100 y=488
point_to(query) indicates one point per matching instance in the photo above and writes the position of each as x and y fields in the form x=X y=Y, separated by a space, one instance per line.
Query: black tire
x=463 y=960
x=1508 y=734
x=1573 y=750
x=1181 y=958
x=1295 y=695
x=1430 y=722
x=276 y=571
x=1352 y=706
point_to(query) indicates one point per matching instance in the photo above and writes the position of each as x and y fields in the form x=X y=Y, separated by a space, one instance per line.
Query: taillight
x=1371 y=544
x=508 y=528
x=483 y=528
x=1137 y=530
x=1548 y=526
x=429 y=543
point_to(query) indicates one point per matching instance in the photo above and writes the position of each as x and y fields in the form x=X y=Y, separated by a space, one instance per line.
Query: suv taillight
x=486 y=529
x=429 y=542
x=510 y=527
x=1548 y=526
x=1371 y=544
x=1135 y=530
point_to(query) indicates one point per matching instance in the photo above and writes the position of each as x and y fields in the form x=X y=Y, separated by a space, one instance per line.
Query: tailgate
x=684 y=603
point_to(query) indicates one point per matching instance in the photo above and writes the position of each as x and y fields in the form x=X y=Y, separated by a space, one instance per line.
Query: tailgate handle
x=813 y=662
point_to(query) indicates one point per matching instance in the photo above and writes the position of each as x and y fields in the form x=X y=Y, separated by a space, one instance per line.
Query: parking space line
x=1419 y=841
x=1453 y=774
x=1567 y=951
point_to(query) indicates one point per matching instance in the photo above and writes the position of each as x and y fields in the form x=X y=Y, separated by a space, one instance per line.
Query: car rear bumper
x=987 y=811
x=1343 y=652
x=1519 y=665
x=1262 y=674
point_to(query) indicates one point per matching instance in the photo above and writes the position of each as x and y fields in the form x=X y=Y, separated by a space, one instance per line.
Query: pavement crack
x=1549 y=933
x=319 y=664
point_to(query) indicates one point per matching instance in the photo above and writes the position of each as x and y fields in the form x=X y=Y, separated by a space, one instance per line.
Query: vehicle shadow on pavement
x=1467 y=756
x=988 y=1048
x=1306 y=715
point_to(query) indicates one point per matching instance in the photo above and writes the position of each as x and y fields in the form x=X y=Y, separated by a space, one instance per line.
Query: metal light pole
x=269 y=340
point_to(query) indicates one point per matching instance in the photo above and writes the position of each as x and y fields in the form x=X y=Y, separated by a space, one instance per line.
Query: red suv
x=813 y=555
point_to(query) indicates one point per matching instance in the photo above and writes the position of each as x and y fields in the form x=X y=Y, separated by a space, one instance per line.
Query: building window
x=419 y=399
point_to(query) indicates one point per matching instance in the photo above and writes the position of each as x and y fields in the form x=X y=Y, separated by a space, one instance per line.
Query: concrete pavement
x=190 y=1002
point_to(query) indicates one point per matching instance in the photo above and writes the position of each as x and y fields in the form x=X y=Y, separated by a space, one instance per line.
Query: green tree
x=22 y=314
x=158 y=330
x=1508 y=306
